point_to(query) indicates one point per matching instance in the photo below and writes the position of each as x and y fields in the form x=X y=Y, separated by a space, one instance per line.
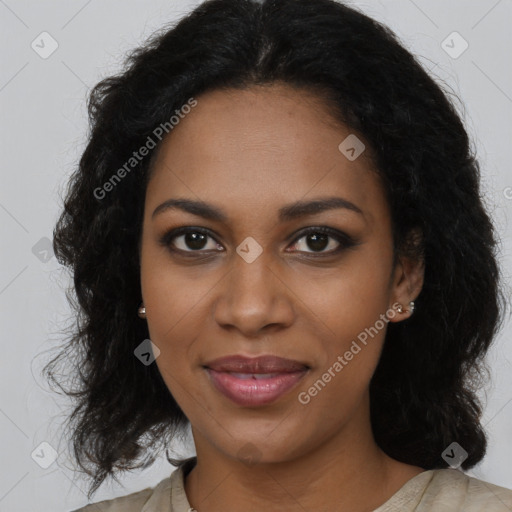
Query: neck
x=347 y=472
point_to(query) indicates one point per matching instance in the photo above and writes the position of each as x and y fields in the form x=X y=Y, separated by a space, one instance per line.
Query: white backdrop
x=43 y=128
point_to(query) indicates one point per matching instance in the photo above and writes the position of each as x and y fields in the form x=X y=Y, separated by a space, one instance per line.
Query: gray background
x=43 y=132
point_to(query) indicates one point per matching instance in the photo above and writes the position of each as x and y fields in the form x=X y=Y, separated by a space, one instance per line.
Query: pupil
x=317 y=241
x=195 y=240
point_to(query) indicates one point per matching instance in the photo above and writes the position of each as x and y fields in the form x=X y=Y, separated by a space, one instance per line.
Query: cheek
x=338 y=384
x=173 y=295
x=349 y=298
x=174 y=303
x=348 y=307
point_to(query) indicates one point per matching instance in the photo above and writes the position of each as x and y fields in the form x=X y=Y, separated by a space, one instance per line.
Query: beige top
x=435 y=490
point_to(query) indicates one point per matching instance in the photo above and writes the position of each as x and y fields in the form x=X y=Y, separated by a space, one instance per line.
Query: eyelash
x=343 y=239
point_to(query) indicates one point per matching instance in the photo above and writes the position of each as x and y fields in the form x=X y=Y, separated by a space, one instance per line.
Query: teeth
x=246 y=376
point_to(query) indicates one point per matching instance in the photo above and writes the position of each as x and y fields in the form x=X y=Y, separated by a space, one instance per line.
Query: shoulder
x=168 y=496
x=134 y=502
x=450 y=489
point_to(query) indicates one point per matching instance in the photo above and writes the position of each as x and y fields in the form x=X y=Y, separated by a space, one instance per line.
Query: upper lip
x=261 y=364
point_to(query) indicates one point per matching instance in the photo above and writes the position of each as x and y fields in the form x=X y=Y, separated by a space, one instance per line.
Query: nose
x=254 y=298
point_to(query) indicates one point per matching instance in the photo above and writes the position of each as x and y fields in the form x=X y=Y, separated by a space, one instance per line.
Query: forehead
x=261 y=146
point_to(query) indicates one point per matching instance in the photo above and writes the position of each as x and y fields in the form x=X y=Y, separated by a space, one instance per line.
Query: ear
x=407 y=280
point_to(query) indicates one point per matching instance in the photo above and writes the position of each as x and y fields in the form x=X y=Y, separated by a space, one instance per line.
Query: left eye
x=317 y=241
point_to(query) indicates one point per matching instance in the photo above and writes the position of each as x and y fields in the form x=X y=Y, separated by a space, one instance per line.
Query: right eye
x=189 y=239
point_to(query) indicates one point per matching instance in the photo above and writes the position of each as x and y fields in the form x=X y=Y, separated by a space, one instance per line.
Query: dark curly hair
x=423 y=390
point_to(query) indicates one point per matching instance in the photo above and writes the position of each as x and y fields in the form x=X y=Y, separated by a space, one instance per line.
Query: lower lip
x=254 y=392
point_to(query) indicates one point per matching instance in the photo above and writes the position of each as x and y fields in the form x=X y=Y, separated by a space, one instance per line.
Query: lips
x=257 y=365
x=256 y=381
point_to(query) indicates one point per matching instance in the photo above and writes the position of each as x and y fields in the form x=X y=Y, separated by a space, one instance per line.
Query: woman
x=277 y=237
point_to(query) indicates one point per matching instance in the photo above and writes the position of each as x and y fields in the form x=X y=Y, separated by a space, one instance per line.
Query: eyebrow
x=286 y=213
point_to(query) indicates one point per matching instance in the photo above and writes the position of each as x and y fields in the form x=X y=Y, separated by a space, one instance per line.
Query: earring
x=141 y=311
x=410 y=310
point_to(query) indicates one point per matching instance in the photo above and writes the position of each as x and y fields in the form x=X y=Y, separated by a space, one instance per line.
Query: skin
x=249 y=153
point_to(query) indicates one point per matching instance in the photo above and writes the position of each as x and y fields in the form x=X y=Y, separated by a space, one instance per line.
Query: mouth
x=252 y=382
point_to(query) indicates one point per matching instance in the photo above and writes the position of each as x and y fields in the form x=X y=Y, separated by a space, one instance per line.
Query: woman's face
x=261 y=173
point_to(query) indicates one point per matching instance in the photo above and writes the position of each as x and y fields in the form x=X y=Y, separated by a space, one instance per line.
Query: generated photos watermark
x=304 y=397
x=137 y=156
